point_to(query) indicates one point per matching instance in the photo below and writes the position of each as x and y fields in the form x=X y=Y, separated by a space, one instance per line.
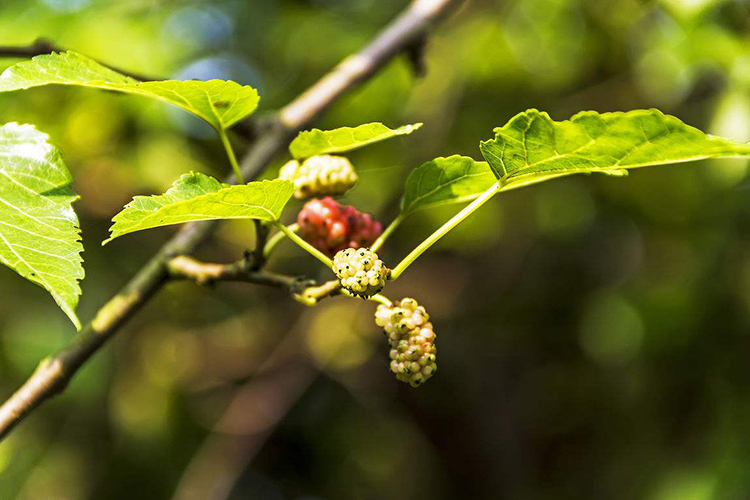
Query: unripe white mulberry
x=360 y=271
x=411 y=339
x=321 y=175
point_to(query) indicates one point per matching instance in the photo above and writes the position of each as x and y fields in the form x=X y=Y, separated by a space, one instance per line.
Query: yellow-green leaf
x=221 y=103
x=532 y=144
x=39 y=235
x=317 y=142
x=195 y=197
x=441 y=181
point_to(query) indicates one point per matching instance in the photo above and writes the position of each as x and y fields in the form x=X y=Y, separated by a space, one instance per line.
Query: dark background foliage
x=592 y=331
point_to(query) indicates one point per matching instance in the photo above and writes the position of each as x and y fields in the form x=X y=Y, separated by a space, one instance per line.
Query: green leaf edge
x=407 y=211
x=499 y=131
x=129 y=85
x=68 y=310
x=389 y=134
x=228 y=187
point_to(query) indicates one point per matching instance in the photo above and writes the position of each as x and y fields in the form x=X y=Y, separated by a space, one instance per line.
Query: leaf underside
x=317 y=142
x=221 y=103
x=196 y=197
x=532 y=144
x=39 y=233
x=454 y=179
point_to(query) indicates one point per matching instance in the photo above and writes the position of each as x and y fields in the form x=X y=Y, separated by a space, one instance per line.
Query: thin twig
x=53 y=373
x=248 y=129
x=209 y=273
x=41 y=47
x=314 y=294
x=261 y=238
x=37 y=48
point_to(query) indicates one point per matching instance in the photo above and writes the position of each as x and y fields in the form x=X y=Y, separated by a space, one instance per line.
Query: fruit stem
x=378 y=297
x=392 y=227
x=230 y=153
x=314 y=294
x=276 y=239
x=381 y=299
x=305 y=245
x=443 y=230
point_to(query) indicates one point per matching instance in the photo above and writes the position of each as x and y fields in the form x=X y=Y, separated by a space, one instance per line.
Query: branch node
x=314 y=294
x=415 y=54
x=257 y=258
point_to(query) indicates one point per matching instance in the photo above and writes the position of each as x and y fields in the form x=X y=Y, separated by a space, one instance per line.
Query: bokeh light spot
x=611 y=331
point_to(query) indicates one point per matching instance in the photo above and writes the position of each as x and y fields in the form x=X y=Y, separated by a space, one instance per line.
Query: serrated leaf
x=455 y=179
x=39 y=235
x=221 y=103
x=195 y=197
x=532 y=143
x=317 y=142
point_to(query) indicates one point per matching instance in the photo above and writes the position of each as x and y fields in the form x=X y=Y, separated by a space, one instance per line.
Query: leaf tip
x=108 y=240
x=76 y=322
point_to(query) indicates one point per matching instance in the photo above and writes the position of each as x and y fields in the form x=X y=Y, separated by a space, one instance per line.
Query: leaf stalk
x=443 y=230
x=230 y=154
x=276 y=239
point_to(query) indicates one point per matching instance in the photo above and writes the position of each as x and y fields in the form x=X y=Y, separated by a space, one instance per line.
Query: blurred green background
x=593 y=332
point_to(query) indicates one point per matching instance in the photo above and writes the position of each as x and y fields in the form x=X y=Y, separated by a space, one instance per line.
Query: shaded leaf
x=39 y=235
x=317 y=142
x=455 y=179
x=221 y=103
x=531 y=143
x=197 y=197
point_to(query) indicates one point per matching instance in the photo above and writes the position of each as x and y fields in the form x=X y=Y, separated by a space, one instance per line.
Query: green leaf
x=455 y=179
x=197 y=197
x=317 y=142
x=531 y=143
x=221 y=103
x=39 y=235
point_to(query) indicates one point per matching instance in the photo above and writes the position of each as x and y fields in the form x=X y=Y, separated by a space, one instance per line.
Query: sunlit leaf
x=39 y=235
x=455 y=179
x=317 y=142
x=196 y=196
x=221 y=103
x=531 y=143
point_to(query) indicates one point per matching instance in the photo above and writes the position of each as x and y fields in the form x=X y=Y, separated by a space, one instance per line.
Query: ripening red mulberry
x=319 y=175
x=330 y=227
x=411 y=339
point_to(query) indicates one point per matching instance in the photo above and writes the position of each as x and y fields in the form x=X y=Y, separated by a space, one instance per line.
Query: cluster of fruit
x=411 y=338
x=345 y=233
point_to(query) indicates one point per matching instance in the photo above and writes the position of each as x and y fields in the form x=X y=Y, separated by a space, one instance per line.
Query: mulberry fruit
x=360 y=271
x=411 y=339
x=330 y=227
x=319 y=176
